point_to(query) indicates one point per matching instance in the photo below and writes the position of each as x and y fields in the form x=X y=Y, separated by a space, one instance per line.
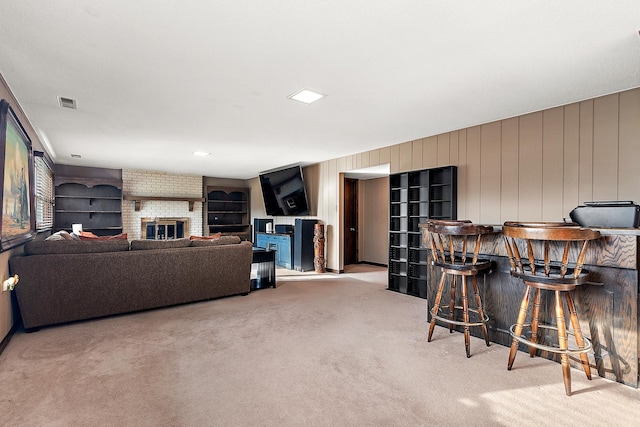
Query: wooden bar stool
x=548 y=266
x=449 y=253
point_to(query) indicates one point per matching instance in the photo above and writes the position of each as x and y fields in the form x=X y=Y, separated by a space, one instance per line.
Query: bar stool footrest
x=551 y=349
x=459 y=322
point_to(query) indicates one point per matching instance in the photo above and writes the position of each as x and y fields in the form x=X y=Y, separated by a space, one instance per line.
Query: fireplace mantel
x=138 y=199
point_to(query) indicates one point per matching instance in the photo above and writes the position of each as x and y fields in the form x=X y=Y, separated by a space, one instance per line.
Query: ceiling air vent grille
x=67 y=102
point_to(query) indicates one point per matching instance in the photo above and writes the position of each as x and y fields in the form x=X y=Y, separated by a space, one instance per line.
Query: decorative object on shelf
x=16 y=175
x=318 y=248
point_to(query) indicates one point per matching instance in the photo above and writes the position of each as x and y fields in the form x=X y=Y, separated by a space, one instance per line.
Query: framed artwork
x=16 y=176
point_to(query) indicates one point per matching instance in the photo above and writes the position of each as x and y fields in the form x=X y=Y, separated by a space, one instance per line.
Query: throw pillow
x=87 y=235
x=210 y=237
x=60 y=235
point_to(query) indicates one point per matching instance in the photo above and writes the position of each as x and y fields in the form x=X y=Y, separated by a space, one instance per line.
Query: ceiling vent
x=67 y=102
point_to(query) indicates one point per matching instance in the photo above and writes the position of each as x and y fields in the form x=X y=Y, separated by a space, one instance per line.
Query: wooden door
x=350 y=221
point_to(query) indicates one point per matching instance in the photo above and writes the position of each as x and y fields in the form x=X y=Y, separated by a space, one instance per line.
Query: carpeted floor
x=319 y=350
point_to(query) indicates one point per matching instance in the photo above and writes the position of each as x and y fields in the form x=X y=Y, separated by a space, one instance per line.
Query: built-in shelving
x=94 y=203
x=415 y=197
x=228 y=211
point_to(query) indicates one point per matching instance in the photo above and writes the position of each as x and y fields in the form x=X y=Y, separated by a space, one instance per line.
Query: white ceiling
x=157 y=80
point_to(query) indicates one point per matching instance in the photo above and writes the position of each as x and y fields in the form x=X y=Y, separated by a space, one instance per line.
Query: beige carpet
x=319 y=350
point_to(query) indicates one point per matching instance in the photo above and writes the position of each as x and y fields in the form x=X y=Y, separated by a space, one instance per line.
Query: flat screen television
x=284 y=193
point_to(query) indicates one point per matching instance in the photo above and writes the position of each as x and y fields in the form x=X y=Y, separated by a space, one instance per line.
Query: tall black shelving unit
x=416 y=197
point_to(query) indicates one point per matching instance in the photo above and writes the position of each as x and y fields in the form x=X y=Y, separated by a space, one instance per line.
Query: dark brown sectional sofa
x=64 y=281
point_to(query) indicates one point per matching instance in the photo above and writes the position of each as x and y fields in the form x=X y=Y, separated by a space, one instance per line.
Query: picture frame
x=17 y=181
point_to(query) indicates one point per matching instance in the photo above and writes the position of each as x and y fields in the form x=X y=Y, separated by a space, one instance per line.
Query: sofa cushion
x=141 y=245
x=44 y=247
x=222 y=240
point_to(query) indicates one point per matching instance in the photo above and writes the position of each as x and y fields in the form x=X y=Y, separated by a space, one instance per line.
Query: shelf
x=88 y=197
x=138 y=199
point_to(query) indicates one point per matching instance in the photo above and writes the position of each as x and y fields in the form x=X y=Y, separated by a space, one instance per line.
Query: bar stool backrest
x=518 y=236
x=449 y=241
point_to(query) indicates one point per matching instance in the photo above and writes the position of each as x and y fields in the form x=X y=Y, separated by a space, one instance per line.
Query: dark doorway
x=350 y=221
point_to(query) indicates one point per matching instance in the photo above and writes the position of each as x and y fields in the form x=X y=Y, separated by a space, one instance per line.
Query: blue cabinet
x=281 y=243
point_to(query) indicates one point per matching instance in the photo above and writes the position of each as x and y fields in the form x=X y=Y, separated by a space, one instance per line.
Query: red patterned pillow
x=87 y=235
x=210 y=237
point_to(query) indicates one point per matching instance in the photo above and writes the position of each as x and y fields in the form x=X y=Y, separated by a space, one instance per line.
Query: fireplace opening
x=164 y=228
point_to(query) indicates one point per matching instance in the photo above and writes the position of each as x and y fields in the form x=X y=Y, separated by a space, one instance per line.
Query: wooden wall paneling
x=406 y=150
x=357 y=161
x=365 y=160
x=462 y=174
x=629 y=144
x=342 y=164
x=416 y=156
x=474 y=174
x=571 y=162
x=509 y=171
x=385 y=155
x=453 y=148
x=552 y=164
x=348 y=163
x=332 y=232
x=605 y=147
x=443 y=150
x=430 y=152
x=490 y=147
x=395 y=158
x=530 y=167
x=585 y=189
x=374 y=158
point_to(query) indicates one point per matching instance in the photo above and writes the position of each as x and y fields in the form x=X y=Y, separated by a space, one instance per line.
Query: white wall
x=373 y=226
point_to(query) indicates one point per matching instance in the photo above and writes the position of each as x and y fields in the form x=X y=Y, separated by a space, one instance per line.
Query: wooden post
x=318 y=248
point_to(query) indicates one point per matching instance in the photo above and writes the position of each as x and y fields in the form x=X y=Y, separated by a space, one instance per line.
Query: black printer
x=611 y=214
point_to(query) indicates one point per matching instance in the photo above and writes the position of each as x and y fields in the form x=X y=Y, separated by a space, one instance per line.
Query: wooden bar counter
x=608 y=308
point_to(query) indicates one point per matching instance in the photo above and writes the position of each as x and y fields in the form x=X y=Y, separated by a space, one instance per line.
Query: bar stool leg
x=573 y=315
x=465 y=316
x=562 y=343
x=452 y=301
x=436 y=305
x=485 y=333
x=535 y=320
x=519 y=324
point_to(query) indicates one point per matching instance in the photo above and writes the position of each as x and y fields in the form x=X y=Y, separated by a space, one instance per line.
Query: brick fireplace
x=160 y=184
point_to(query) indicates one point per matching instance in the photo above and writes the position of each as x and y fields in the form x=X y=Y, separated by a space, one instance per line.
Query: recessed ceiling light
x=307 y=96
x=67 y=102
x=200 y=153
x=76 y=156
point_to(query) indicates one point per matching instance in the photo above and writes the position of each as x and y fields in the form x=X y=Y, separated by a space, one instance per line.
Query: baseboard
x=377 y=264
x=331 y=270
x=7 y=338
